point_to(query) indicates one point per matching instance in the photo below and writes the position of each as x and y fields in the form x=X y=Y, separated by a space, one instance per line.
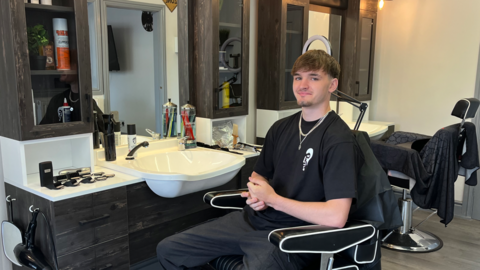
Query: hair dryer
x=27 y=254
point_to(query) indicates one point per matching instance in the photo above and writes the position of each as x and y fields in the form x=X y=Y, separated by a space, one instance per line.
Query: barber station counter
x=114 y=223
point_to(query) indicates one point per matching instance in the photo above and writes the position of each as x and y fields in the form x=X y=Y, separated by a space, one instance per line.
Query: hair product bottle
x=62 y=50
x=64 y=112
x=131 y=136
x=96 y=132
x=188 y=125
x=109 y=141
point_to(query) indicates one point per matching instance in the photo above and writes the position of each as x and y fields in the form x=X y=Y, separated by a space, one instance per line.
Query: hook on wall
x=34 y=210
x=9 y=199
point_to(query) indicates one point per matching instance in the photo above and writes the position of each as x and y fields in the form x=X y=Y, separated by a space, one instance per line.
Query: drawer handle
x=106 y=267
x=83 y=222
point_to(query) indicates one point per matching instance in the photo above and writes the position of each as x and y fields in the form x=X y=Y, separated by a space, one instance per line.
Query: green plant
x=224 y=33
x=37 y=37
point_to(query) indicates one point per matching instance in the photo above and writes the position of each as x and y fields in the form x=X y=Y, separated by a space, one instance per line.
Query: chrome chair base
x=413 y=241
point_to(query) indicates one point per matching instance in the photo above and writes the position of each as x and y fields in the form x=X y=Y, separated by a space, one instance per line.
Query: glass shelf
x=235 y=25
x=52 y=72
x=51 y=8
x=294 y=32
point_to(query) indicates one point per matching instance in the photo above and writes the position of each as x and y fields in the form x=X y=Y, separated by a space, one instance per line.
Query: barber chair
x=427 y=167
x=353 y=247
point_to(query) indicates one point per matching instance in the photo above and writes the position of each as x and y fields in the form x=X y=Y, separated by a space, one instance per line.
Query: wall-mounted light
x=381 y=3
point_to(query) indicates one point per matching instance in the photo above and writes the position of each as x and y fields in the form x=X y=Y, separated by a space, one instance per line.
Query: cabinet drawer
x=90 y=219
x=111 y=255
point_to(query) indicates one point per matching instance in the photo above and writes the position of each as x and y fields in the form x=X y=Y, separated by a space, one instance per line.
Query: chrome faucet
x=155 y=136
x=181 y=143
x=132 y=152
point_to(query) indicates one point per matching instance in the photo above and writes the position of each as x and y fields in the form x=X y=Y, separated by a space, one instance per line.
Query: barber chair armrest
x=226 y=199
x=321 y=239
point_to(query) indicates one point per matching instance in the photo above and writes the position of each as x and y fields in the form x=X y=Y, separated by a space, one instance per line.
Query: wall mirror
x=133 y=68
x=326 y=22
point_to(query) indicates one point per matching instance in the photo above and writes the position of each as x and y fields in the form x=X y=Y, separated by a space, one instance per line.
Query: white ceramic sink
x=374 y=131
x=174 y=173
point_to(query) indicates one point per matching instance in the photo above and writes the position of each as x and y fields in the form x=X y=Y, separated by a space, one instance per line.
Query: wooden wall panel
x=9 y=120
x=342 y=4
x=269 y=57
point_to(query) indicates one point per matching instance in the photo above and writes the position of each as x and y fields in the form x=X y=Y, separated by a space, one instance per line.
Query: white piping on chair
x=315 y=233
x=374 y=254
x=345 y=267
x=468 y=108
x=223 y=207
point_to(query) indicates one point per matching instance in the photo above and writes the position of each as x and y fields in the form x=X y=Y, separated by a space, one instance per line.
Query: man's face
x=312 y=88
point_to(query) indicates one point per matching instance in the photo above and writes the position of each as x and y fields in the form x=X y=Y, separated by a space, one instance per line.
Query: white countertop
x=120 y=179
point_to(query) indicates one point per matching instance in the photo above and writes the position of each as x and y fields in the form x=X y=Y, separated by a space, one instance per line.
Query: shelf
x=52 y=72
x=50 y=8
x=226 y=71
x=294 y=32
x=235 y=25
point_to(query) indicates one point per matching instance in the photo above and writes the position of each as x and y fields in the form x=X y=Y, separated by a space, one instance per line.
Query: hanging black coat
x=376 y=203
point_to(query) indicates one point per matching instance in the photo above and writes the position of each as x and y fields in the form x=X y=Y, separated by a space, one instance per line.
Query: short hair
x=317 y=60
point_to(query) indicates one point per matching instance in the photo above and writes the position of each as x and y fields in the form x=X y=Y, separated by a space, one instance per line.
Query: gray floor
x=461 y=247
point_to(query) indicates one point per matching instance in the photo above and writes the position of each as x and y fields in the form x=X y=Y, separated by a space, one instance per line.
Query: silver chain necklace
x=300 y=133
x=70 y=97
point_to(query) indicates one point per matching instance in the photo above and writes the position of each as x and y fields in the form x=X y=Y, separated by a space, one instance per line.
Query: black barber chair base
x=414 y=241
x=408 y=238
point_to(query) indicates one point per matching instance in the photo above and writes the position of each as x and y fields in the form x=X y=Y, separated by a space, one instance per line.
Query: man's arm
x=332 y=213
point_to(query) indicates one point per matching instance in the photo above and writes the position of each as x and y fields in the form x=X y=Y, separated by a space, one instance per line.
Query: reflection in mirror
x=52 y=45
x=94 y=45
x=230 y=54
x=294 y=45
x=327 y=25
x=134 y=89
x=11 y=237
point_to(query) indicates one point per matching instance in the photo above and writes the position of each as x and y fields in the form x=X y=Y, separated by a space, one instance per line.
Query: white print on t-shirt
x=307 y=158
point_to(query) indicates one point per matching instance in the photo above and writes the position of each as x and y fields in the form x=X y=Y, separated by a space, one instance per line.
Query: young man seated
x=306 y=174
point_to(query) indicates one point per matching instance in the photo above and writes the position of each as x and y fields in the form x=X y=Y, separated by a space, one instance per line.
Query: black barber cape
x=440 y=159
x=435 y=168
x=376 y=204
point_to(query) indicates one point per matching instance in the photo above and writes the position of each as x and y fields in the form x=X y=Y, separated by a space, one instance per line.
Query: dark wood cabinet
x=277 y=50
x=365 y=54
x=26 y=92
x=204 y=26
x=282 y=31
x=115 y=228
x=90 y=231
x=357 y=48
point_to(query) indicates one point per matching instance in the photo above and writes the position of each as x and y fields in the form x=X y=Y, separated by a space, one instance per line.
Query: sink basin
x=174 y=173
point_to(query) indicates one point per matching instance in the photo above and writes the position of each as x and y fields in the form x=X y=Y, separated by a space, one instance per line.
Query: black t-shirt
x=325 y=168
x=51 y=115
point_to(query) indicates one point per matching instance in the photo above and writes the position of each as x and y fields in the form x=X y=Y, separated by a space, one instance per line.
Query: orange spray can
x=62 y=50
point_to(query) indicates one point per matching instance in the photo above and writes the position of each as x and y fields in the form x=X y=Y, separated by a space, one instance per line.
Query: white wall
x=172 y=58
x=5 y=264
x=252 y=79
x=132 y=89
x=426 y=54
x=318 y=24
